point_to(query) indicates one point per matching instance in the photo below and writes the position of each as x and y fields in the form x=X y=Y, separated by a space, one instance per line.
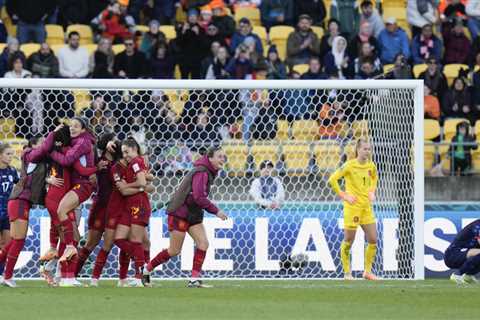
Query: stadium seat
x=297 y=158
x=476 y=160
x=237 y=154
x=282 y=131
x=477 y=129
x=261 y=152
x=301 y=68
x=405 y=27
x=419 y=68
x=450 y=128
x=451 y=71
x=360 y=129
x=7 y=128
x=428 y=156
x=400 y=13
x=177 y=100
x=29 y=48
x=90 y=48
x=169 y=32
x=2 y=46
x=55 y=34
x=82 y=100
x=278 y=37
x=141 y=28
x=306 y=130
x=253 y=14
x=117 y=48
x=327 y=155
x=86 y=34
x=262 y=33
x=443 y=151
x=388 y=68
x=431 y=129
x=318 y=31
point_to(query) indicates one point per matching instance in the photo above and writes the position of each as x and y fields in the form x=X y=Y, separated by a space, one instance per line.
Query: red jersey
x=136 y=166
x=117 y=172
x=104 y=184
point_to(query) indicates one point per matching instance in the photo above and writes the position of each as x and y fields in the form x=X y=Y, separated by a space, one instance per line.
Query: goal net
x=307 y=129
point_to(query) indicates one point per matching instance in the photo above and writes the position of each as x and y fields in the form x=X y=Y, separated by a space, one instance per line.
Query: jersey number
x=5 y=186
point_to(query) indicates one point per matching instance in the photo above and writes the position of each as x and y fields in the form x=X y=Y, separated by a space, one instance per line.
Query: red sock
x=4 y=251
x=160 y=258
x=53 y=236
x=138 y=258
x=124 y=262
x=146 y=254
x=63 y=265
x=83 y=255
x=100 y=263
x=124 y=245
x=67 y=231
x=12 y=257
x=198 y=258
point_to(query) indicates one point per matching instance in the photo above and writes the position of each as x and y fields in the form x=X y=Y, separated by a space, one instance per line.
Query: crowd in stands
x=358 y=41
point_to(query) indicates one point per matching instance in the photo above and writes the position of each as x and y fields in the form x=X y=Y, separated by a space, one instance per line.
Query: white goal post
x=306 y=127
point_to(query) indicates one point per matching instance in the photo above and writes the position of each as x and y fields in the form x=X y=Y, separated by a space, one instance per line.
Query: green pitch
x=293 y=299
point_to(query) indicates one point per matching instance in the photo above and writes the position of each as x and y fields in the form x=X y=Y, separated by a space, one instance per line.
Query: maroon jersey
x=104 y=184
x=116 y=201
x=136 y=166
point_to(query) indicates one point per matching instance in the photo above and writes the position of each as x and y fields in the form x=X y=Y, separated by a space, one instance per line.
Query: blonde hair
x=359 y=143
x=3 y=147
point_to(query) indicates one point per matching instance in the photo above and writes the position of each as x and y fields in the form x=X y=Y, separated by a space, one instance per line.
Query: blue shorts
x=4 y=223
x=455 y=257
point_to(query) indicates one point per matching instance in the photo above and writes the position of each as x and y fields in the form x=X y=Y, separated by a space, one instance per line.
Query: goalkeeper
x=360 y=175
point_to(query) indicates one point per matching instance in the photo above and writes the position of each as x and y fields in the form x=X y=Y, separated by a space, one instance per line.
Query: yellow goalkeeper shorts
x=355 y=216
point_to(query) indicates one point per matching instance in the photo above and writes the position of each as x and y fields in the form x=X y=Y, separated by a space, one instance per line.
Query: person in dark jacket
x=457 y=45
x=434 y=78
x=185 y=214
x=72 y=12
x=43 y=62
x=314 y=8
x=224 y=22
x=426 y=45
x=457 y=102
x=460 y=150
x=130 y=63
x=314 y=70
x=244 y=31
x=276 y=68
x=102 y=60
x=303 y=43
x=162 y=63
x=277 y=12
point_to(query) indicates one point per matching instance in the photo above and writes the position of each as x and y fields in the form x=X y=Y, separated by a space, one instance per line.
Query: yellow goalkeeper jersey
x=360 y=179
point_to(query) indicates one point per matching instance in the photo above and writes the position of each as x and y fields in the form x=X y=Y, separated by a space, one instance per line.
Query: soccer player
x=463 y=254
x=29 y=190
x=360 y=175
x=8 y=178
x=185 y=214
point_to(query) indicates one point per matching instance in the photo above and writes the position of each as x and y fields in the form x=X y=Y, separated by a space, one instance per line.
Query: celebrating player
x=464 y=254
x=185 y=214
x=360 y=176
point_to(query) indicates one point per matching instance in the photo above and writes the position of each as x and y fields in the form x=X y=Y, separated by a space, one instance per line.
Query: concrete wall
x=452 y=188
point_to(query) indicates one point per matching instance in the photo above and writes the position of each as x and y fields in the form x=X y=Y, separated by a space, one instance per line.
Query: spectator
x=401 y=69
x=240 y=66
x=420 y=13
x=96 y=113
x=164 y=11
x=327 y=39
x=331 y=119
x=314 y=70
x=276 y=12
x=213 y=35
x=454 y=9
x=177 y=158
x=346 y=12
x=476 y=93
x=426 y=45
x=101 y=61
x=208 y=60
x=276 y=68
x=457 y=101
x=367 y=53
x=392 y=41
x=244 y=31
x=367 y=70
x=434 y=78
x=460 y=150
x=168 y=128
x=336 y=61
x=130 y=63
x=363 y=36
x=250 y=44
x=265 y=127
x=114 y=23
x=225 y=23
x=203 y=133
x=11 y=48
x=267 y=191
x=473 y=12
x=205 y=17
x=151 y=38
x=72 y=12
x=372 y=17
x=303 y=43
x=43 y=62
x=457 y=45
x=431 y=104
x=192 y=43
x=16 y=69
x=217 y=69
x=245 y=3
x=30 y=16
x=162 y=63
x=3 y=32
x=73 y=59
x=314 y=8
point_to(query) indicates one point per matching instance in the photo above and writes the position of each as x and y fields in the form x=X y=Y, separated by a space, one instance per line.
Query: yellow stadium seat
x=169 y=32
x=237 y=154
x=2 y=46
x=327 y=155
x=86 y=34
x=476 y=160
x=451 y=71
x=262 y=152
x=29 y=48
x=90 y=48
x=443 y=151
x=253 y=14
x=177 y=100
x=388 y=68
x=56 y=48
x=428 y=156
x=318 y=31
x=305 y=130
x=297 y=158
x=397 y=12
x=17 y=145
x=177 y=72
x=261 y=32
x=301 y=68
x=282 y=130
x=477 y=130
x=360 y=129
x=450 y=128
x=405 y=27
x=117 y=48
x=55 y=34
x=278 y=37
x=83 y=100
x=7 y=128
x=142 y=28
x=419 y=68
x=431 y=129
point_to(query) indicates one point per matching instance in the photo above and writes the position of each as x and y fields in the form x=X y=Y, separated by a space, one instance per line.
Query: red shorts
x=52 y=207
x=138 y=214
x=177 y=224
x=96 y=217
x=115 y=211
x=83 y=191
x=18 y=209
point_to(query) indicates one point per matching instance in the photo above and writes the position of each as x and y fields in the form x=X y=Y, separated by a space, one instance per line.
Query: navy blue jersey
x=469 y=236
x=8 y=178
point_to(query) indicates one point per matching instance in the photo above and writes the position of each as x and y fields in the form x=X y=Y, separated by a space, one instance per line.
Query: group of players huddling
x=63 y=170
